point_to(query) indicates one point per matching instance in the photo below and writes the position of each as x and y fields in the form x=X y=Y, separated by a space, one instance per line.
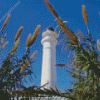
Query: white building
x=49 y=43
x=48 y=75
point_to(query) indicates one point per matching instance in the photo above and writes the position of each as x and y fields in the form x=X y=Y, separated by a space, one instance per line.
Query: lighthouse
x=48 y=74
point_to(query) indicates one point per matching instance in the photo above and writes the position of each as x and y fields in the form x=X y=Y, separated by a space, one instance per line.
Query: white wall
x=44 y=98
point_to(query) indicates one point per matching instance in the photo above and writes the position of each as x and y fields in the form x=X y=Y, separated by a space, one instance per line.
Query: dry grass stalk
x=85 y=16
x=28 y=40
x=51 y=9
x=5 y=23
x=18 y=33
x=32 y=56
x=66 y=30
x=61 y=65
x=15 y=47
x=34 y=35
x=96 y=25
x=3 y=40
x=24 y=67
x=81 y=35
x=98 y=44
x=4 y=44
x=61 y=23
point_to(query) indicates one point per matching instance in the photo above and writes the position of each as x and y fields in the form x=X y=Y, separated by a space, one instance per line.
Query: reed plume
x=81 y=35
x=34 y=35
x=61 y=23
x=66 y=30
x=85 y=16
x=4 y=38
x=4 y=44
x=98 y=44
x=61 y=65
x=24 y=67
x=18 y=33
x=51 y=9
x=5 y=23
x=15 y=47
x=28 y=40
x=32 y=56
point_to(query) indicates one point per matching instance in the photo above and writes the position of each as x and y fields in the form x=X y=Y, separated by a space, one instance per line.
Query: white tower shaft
x=49 y=59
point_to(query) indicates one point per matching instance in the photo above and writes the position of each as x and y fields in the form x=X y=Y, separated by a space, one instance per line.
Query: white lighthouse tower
x=49 y=43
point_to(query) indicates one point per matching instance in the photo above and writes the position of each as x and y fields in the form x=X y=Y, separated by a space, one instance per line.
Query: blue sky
x=30 y=13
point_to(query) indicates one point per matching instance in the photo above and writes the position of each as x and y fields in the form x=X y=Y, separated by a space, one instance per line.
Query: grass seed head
x=33 y=55
x=61 y=22
x=18 y=33
x=51 y=9
x=34 y=35
x=28 y=40
x=3 y=40
x=4 y=44
x=5 y=23
x=85 y=16
x=24 y=67
x=61 y=65
x=15 y=47
x=98 y=44
x=66 y=30
x=81 y=35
